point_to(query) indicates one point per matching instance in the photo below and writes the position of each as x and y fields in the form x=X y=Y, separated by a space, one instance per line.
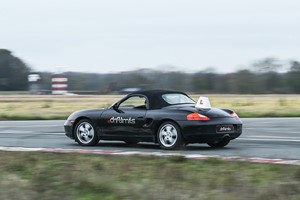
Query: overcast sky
x=120 y=35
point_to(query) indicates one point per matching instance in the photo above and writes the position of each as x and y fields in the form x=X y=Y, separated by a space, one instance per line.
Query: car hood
x=88 y=112
x=209 y=112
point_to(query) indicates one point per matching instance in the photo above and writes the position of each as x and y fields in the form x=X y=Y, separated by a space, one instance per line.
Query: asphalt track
x=273 y=138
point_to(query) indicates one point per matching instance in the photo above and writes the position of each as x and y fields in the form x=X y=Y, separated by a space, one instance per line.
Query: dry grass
x=259 y=105
x=59 y=107
x=49 y=107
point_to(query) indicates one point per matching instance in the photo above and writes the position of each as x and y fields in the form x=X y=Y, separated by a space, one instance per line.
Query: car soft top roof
x=155 y=97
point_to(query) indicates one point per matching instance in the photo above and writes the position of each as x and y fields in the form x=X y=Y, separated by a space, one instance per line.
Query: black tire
x=169 y=136
x=219 y=144
x=85 y=133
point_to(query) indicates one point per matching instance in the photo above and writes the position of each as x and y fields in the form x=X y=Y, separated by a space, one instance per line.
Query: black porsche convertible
x=171 y=119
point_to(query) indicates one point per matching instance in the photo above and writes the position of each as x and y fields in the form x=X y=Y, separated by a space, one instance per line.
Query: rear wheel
x=219 y=144
x=85 y=133
x=169 y=136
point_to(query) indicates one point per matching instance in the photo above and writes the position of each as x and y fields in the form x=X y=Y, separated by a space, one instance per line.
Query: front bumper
x=68 y=126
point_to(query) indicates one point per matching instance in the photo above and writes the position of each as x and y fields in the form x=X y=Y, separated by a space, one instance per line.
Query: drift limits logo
x=121 y=120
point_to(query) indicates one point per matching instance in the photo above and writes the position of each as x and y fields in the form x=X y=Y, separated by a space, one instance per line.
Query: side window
x=135 y=102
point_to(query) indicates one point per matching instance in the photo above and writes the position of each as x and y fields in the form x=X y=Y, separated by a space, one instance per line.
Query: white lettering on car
x=225 y=129
x=121 y=120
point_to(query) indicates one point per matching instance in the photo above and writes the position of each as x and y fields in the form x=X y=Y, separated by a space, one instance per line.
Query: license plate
x=225 y=129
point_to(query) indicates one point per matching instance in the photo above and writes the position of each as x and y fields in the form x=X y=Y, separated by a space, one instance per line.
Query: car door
x=125 y=119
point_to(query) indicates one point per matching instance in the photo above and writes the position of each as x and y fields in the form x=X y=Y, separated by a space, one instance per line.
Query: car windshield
x=177 y=98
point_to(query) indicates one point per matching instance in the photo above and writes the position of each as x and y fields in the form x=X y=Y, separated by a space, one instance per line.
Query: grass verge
x=34 y=175
x=27 y=107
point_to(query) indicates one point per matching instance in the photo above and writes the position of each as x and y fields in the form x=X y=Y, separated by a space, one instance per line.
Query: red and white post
x=59 y=84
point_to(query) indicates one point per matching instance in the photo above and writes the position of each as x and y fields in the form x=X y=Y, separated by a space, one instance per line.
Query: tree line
x=261 y=77
x=13 y=72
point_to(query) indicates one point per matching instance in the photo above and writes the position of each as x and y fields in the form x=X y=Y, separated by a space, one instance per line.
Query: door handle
x=140 y=117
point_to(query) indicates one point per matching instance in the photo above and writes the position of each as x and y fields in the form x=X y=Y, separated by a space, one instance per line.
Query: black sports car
x=169 y=118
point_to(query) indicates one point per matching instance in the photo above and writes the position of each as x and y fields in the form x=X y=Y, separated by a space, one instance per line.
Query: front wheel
x=169 y=136
x=85 y=133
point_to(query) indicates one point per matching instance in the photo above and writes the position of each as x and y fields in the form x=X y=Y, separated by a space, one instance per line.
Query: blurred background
x=103 y=47
x=262 y=77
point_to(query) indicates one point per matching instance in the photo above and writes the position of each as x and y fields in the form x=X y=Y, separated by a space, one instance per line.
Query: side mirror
x=116 y=108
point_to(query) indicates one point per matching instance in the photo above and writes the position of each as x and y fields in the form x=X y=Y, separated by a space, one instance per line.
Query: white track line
x=31 y=126
x=119 y=152
x=269 y=139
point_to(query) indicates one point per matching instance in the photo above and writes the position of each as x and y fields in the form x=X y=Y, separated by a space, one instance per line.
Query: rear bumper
x=203 y=132
x=209 y=137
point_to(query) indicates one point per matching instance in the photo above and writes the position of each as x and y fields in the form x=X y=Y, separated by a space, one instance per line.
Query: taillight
x=233 y=114
x=196 y=116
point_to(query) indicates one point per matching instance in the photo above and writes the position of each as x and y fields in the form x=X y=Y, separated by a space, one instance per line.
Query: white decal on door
x=121 y=120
